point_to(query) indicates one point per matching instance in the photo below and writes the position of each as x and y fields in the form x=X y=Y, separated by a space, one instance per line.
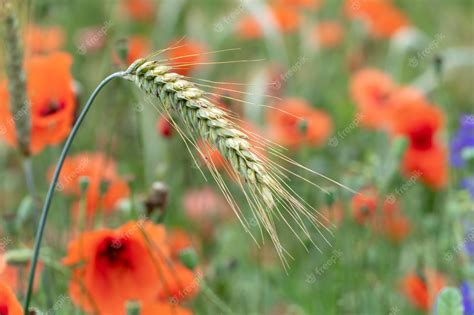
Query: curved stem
x=52 y=186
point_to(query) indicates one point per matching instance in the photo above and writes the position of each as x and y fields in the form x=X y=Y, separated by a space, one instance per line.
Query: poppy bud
x=188 y=258
x=121 y=48
x=303 y=126
x=133 y=308
x=438 y=64
x=330 y=198
x=104 y=186
x=83 y=184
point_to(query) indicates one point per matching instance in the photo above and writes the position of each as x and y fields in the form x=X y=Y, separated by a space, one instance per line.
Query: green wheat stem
x=52 y=186
x=31 y=186
x=28 y=170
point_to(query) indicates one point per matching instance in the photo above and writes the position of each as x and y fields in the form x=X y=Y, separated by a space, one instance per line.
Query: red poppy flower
x=133 y=262
x=40 y=39
x=99 y=170
x=421 y=289
x=286 y=18
x=178 y=240
x=140 y=10
x=52 y=101
x=381 y=17
x=364 y=206
x=430 y=165
x=9 y=304
x=186 y=56
x=179 y=284
x=138 y=47
x=413 y=117
x=328 y=33
x=388 y=221
x=395 y=226
x=111 y=267
x=294 y=122
x=371 y=90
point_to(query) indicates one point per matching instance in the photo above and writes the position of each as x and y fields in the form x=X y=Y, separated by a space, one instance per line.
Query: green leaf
x=449 y=302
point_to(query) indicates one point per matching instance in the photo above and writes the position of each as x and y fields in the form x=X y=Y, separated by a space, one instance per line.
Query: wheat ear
x=212 y=123
x=267 y=191
x=19 y=104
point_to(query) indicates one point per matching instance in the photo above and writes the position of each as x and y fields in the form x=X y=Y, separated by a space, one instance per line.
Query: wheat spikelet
x=19 y=104
x=260 y=179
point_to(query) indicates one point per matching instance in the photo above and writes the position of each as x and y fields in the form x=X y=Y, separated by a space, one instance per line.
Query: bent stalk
x=52 y=187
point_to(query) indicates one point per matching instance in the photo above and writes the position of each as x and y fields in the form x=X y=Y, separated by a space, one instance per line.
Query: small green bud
x=330 y=198
x=438 y=64
x=83 y=184
x=303 y=126
x=189 y=258
x=104 y=186
x=121 y=47
x=133 y=308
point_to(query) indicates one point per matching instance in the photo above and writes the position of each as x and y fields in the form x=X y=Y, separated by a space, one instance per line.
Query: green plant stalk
x=52 y=186
x=31 y=186
x=19 y=104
